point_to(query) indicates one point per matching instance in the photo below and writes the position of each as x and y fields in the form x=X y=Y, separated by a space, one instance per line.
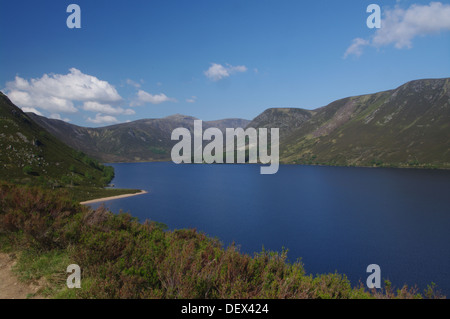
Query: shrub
x=123 y=258
x=27 y=170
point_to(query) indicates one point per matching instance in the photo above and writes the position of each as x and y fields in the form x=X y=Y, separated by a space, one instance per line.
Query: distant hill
x=142 y=140
x=403 y=127
x=408 y=126
x=30 y=155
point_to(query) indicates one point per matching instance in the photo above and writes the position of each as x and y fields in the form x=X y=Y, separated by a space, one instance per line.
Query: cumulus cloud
x=102 y=119
x=399 y=26
x=144 y=97
x=41 y=101
x=106 y=108
x=217 y=72
x=57 y=92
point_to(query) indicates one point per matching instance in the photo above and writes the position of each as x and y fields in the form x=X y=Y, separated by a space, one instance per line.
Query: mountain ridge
x=403 y=127
x=406 y=126
x=136 y=141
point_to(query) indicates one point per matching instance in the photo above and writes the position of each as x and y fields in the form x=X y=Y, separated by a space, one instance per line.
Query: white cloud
x=217 y=72
x=33 y=100
x=357 y=47
x=239 y=68
x=144 y=97
x=56 y=116
x=133 y=83
x=106 y=108
x=31 y=110
x=102 y=119
x=399 y=27
x=192 y=99
x=129 y=112
x=58 y=92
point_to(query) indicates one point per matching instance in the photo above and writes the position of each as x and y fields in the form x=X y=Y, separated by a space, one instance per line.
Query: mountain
x=286 y=119
x=29 y=154
x=408 y=126
x=142 y=140
x=404 y=127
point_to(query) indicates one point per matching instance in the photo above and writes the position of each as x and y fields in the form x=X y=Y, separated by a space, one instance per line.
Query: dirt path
x=10 y=286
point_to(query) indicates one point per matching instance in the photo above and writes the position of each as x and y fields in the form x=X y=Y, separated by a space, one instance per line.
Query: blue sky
x=211 y=59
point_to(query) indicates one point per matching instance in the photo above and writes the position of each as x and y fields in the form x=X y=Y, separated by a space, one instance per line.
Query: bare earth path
x=10 y=286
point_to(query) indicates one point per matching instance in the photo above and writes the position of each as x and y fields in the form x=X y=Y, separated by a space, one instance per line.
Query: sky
x=211 y=59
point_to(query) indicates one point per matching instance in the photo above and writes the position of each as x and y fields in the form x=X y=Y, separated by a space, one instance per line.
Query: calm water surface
x=333 y=218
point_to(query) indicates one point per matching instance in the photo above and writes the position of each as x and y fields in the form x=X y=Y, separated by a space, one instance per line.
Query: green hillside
x=405 y=127
x=30 y=155
x=143 y=140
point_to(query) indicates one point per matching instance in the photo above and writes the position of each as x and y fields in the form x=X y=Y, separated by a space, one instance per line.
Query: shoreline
x=301 y=164
x=104 y=199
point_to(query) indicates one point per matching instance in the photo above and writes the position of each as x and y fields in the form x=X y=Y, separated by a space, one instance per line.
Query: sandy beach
x=112 y=198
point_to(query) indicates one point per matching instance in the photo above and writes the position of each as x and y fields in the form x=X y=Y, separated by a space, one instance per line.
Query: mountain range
x=403 y=127
x=138 y=141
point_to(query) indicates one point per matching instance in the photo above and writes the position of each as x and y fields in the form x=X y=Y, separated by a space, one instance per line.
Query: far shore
x=93 y=201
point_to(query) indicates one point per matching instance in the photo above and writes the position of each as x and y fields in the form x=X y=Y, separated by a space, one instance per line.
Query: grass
x=46 y=268
x=121 y=257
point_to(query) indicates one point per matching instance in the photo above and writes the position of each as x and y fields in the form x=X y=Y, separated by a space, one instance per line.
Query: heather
x=121 y=257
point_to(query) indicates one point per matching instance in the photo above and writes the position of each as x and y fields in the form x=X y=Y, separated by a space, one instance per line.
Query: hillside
x=29 y=154
x=408 y=126
x=404 y=127
x=286 y=119
x=142 y=140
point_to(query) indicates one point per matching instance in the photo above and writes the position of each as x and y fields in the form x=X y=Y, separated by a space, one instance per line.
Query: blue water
x=333 y=218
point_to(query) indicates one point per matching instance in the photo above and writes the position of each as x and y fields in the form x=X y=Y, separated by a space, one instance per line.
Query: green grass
x=44 y=267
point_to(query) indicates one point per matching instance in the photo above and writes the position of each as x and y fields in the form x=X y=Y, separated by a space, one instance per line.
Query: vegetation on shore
x=29 y=155
x=123 y=258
